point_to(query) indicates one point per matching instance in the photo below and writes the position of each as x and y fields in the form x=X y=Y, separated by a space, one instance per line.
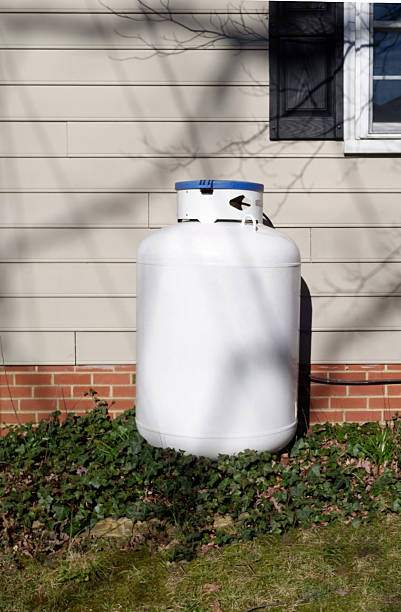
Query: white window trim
x=358 y=136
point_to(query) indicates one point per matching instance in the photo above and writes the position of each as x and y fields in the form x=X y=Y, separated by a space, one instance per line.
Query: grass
x=335 y=568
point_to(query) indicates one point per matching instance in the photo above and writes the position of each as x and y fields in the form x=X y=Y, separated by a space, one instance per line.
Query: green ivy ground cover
x=58 y=479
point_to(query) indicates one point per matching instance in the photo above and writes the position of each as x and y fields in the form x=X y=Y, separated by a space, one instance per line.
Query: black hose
x=346 y=381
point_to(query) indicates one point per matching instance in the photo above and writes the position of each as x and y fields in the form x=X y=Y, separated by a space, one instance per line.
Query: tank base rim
x=270 y=432
x=211 y=447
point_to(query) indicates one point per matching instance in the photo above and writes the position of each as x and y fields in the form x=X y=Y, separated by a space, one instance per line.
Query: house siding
x=103 y=109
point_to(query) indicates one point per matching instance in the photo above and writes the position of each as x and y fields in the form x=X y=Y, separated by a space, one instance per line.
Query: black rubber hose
x=346 y=381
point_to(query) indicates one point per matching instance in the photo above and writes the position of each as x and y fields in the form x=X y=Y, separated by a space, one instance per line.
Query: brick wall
x=338 y=404
x=38 y=390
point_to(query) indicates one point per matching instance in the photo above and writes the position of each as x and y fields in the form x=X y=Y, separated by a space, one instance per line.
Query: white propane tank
x=218 y=326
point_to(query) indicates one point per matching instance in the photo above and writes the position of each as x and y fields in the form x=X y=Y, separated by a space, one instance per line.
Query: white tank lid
x=208 y=200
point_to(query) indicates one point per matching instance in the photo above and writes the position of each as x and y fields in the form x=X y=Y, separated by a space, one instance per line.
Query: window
x=372 y=78
x=335 y=73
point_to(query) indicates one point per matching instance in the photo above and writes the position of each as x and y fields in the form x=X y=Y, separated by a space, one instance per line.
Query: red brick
x=17 y=368
x=394 y=367
x=123 y=404
x=318 y=390
x=112 y=379
x=348 y=375
x=89 y=368
x=367 y=367
x=319 y=403
x=323 y=416
x=125 y=368
x=21 y=417
x=327 y=366
x=62 y=403
x=52 y=391
x=363 y=416
x=385 y=403
x=38 y=404
x=394 y=389
x=33 y=379
x=7 y=379
x=79 y=391
x=73 y=378
x=56 y=368
x=347 y=403
x=381 y=376
x=77 y=403
x=7 y=405
x=127 y=391
x=16 y=392
x=365 y=390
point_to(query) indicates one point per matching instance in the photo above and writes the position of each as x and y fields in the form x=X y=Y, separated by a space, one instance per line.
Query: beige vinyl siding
x=155 y=173
x=136 y=174
x=61 y=209
x=169 y=139
x=356 y=244
x=105 y=347
x=68 y=279
x=33 y=138
x=102 y=111
x=356 y=346
x=24 y=348
x=337 y=205
x=83 y=244
x=355 y=278
x=356 y=313
x=130 y=6
x=110 y=67
x=136 y=31
x=130 y=102
x=72 y=313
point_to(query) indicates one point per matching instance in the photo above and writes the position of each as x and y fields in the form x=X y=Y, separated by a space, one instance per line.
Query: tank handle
x=253 y=221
